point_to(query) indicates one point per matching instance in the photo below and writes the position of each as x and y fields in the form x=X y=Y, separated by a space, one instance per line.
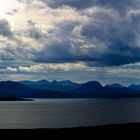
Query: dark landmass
x=135 y=87
x=65 y=89
x=94 y=132
x=115 y=85
x=96 y=90
x=13 y=99
x=65 y=85
x=95 y=128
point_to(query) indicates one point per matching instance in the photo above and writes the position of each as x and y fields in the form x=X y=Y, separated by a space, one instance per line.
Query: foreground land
x=113 y=131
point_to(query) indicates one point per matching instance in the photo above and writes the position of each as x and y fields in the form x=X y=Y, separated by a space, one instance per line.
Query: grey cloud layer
x=80 y=40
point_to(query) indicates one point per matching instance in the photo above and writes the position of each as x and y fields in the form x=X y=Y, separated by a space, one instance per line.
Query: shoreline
x=107 y=126
x=92 y=131
x=110 y=131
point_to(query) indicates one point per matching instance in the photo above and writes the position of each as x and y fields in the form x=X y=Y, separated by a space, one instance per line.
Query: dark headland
x=14 y=99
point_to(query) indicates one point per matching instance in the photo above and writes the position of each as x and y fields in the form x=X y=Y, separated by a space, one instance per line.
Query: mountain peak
x=115 y=85
x=135 y=87
x=92 y=84
x=54 y=81
x=43 y=81
x=68 y=81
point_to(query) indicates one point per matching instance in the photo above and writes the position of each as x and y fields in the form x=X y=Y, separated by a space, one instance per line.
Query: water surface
x=59 y=113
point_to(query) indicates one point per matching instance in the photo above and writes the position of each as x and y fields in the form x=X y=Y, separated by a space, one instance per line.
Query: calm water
x=58 y=113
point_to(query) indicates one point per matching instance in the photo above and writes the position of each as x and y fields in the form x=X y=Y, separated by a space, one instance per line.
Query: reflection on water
x=56 y=113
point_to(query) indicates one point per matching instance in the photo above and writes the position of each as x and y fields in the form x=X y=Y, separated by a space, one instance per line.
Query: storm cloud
x=105 y=39
x=108 y=34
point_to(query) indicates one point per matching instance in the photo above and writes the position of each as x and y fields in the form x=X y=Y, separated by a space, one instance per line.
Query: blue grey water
x=59 y=113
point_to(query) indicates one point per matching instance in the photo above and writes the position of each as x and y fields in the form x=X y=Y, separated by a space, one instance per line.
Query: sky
x=78 y=40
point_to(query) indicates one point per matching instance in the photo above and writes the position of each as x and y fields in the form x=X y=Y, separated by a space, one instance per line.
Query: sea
x=64 y=113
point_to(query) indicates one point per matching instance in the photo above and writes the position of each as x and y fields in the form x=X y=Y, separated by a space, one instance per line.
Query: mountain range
x=66 y=89
x=53 y=85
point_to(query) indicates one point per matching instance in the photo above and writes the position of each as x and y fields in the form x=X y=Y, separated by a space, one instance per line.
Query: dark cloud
x=62 y=52
x=5 y=28
x=35 y=33
x=118 y=57
x=118 y=34
x=73 y=3
x=121 y=5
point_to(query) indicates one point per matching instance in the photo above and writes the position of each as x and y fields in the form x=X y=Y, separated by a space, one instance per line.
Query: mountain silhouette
x=95 y=89
x=115 y=85
x=54 y=85
x=18 y=90
x=89 y=87
x=92 y=89
x=135 y=87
